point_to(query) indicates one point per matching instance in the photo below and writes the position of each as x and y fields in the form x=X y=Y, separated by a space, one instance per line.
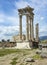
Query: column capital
x=20 y=15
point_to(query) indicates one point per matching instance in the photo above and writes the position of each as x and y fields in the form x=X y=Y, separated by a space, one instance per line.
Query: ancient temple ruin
x=28 y=12
x=28 y=40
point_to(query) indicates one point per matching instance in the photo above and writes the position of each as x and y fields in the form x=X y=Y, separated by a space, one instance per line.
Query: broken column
x=37 y=32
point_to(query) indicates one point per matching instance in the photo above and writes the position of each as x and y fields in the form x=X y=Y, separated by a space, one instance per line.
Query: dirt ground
x=7 y=59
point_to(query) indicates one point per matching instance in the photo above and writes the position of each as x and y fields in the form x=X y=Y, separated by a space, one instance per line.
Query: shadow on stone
x=33 y=44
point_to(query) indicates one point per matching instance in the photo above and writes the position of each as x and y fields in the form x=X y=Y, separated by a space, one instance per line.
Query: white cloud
x=42 y=18
x=40 y=3
x=8 y=30
x=2 y=17
x=5 y=18
x=14 y=19
x=5 y=37
x=43 y=31
x=21 y=4
x=1 y=20
x=43 y=34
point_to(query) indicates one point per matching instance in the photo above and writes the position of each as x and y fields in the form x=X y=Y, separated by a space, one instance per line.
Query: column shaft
x=20 y=16
x=30 y=28
x=27 y=28
x=37 y=32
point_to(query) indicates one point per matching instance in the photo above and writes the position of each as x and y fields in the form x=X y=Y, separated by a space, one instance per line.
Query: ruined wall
x=17 y=38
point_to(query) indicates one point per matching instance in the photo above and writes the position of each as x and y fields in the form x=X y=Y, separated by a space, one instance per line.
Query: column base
x=27 y=40
x=20 y=41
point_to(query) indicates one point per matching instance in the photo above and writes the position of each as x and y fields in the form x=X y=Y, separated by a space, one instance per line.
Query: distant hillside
x=43 y=38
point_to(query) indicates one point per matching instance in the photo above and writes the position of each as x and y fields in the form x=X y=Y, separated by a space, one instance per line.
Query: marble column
x=27 y=28
x=37 y=34
x=20 y=17
x=30 y=28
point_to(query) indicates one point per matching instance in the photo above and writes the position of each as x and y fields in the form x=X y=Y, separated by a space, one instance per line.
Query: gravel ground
x=7 y=59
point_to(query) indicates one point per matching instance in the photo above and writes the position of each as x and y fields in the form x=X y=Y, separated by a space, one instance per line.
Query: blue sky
x=9 y=19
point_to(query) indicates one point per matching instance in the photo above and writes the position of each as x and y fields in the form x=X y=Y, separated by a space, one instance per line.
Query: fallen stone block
x=29 y=60
x=43 y=55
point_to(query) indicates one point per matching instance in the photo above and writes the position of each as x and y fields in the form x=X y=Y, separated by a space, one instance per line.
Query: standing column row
x=29 y=28
x=31 y=35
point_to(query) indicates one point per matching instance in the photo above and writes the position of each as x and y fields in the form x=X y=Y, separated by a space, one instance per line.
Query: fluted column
x=37 y=32
x=27 y=28
x=20 y=17
x=30 y=28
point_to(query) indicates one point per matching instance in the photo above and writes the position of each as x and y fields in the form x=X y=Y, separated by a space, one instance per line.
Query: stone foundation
x=23 y=45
